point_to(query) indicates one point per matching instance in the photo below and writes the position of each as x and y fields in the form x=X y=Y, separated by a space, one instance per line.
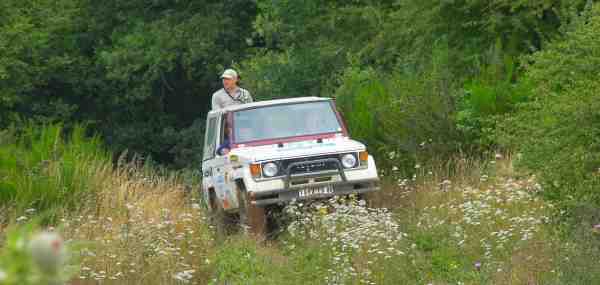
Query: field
x=455 y=222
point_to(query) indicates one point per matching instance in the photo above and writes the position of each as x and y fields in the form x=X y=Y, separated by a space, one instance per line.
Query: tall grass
x=462 y=221
x=144 y=228
x=133 y=222
x=44 y=169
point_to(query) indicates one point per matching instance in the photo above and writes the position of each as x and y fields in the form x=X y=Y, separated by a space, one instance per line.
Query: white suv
x=272 y=152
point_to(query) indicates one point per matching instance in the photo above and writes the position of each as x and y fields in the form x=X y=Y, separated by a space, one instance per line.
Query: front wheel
x=253 y=219
x=218 y=217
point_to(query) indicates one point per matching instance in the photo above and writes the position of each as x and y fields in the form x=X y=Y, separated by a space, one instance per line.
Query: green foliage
x=141 y=74
x=488 y=96
x=37 y=45
x=15 y=263
x=44 y=169
x=137 y=73
x=239 y=262
x=579 y=245
x=410 y=115
x=419 y=121
x=557 y=133
x=19 y=266
x=470 y=27
x=360 y=99
x=274 y=75
x=158 y=65
x=307 y=45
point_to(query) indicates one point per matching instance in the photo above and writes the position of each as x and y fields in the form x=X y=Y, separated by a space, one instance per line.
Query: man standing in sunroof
x=231 y=93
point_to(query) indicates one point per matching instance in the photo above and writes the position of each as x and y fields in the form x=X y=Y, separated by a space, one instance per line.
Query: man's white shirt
x=222 y=99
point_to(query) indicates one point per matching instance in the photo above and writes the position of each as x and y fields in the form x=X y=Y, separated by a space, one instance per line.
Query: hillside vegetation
x=476 y=223
x=481 y=114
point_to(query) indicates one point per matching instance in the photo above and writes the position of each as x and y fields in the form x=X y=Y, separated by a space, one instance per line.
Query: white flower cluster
x=499 y=218
x=125 y=244
x=184 y=276
x=348 y=228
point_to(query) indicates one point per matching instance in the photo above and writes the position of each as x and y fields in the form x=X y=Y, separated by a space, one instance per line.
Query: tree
x=557 y=131
x=34 y=52
x=138 y=72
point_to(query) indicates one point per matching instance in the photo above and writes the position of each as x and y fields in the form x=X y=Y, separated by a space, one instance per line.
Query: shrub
x=487 y=97
x=557 y=132
x=410 y=115
x=359 y=99
x=293 y=73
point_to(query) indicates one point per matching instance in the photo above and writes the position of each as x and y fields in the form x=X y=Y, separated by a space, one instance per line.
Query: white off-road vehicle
x=269 y=153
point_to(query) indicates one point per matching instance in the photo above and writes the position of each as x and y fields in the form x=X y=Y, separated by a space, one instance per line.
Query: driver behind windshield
x=225 y=146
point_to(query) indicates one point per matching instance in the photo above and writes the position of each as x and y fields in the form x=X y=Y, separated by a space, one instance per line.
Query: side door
x=209 y=154
x=215 y=167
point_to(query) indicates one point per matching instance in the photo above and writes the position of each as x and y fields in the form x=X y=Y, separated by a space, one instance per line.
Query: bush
x=408 y=115
x=360 y=98
x=487 y=97
x=483 y=106
x=293 y=73
x=557 y=132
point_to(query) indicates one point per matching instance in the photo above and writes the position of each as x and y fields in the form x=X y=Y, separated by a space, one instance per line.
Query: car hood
x=298 y=149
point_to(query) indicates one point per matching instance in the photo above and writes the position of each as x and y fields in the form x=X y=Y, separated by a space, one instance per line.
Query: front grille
x=310 y=167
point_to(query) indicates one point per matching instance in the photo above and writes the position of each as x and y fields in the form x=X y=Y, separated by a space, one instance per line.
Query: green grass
x=456 y=222
x=45 y=170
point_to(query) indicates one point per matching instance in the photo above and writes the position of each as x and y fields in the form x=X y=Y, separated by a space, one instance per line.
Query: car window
x=282 y=121
x=224 y=132
x=210 y=138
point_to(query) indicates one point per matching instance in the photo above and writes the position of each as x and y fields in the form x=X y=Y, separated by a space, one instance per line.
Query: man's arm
x=215 y=101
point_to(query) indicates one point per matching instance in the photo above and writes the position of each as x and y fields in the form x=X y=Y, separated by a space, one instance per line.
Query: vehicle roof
x=269 y=103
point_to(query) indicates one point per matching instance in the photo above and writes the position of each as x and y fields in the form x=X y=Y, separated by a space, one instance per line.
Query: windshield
x=282 y=121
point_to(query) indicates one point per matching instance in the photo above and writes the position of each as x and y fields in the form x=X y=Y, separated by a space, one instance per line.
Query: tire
x=218 y=218
x=252 y=219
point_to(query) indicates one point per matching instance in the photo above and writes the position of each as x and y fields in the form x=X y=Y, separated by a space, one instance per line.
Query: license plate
x=312 y=191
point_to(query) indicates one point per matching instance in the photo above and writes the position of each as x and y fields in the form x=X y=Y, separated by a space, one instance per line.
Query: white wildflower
x=184 y=276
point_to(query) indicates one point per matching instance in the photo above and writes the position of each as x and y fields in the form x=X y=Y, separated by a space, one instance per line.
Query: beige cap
x=229 y=73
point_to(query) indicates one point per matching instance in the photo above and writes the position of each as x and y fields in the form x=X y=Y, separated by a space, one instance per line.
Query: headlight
x=270 y=169
x=348 y=160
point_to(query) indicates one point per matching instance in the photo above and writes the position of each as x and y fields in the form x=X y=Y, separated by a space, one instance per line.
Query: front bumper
x=265 y=198
x=296 y=187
